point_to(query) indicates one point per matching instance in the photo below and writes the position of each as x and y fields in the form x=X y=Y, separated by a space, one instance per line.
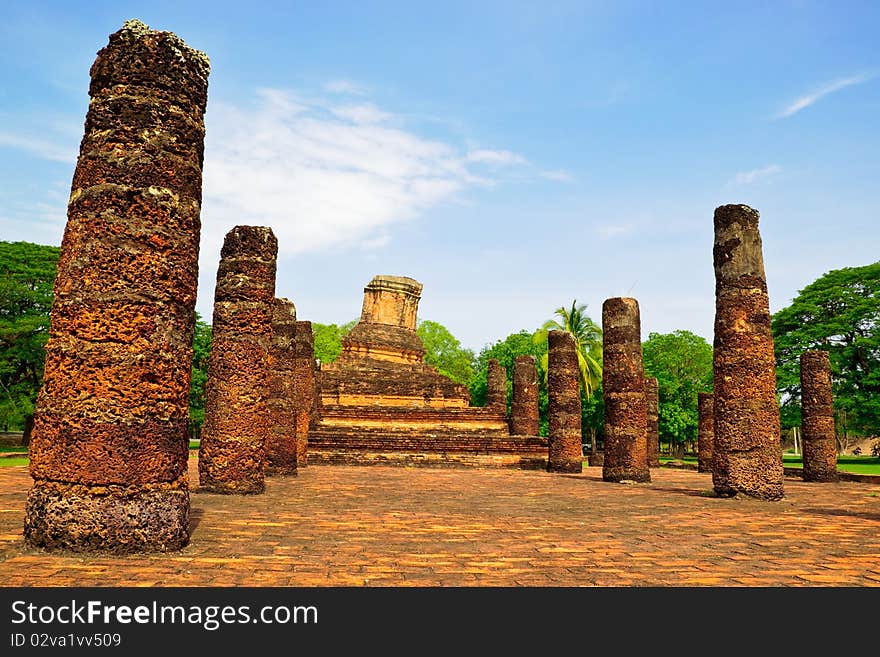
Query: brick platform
x=388 y=526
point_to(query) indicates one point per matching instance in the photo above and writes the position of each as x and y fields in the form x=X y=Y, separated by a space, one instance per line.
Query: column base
x=148 y=518
x=616 y=475
x=572 y=467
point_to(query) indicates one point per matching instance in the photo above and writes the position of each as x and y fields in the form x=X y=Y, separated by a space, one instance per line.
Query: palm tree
x=588 y=342
x=587 y=338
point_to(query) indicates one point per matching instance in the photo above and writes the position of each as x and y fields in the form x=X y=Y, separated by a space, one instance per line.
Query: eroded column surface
x=563 y=387
x=109 y=448
x=747 y=456
x=496 y=386
x=623 y=385
x=705 y=431
x=524 y=410
x=652 y=401
x=306 y=395
x=281 y=443
x=817 y=418
x=232 y=450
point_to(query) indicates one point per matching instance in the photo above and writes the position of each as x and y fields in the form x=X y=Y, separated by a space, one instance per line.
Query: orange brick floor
x=383 y=526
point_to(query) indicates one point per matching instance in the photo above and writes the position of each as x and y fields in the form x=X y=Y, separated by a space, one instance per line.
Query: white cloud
x=748 y=177
x=485 y=156
x=325 y=174
x=805 y=101
x=39 y=147
x=346 y=87
x=558 y=175
x=363 y=113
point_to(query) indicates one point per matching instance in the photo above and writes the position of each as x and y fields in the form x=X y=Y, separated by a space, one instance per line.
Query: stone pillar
x=304 y=388
x=563 y=386
x=623 y=384
x=817 y=418
x=496 y=386
x=110 y=443
x=705 y=431
x=281 y=453
x=232 y=450
x=524 y=410
x=652 y=401
x=747 y=456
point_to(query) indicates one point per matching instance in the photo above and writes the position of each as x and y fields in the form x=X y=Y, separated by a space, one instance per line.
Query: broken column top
x=392 y=300
x=738 y=252
x=137 y=55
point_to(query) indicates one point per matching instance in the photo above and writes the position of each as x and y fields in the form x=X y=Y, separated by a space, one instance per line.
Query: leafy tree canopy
x=201 y=352
x=840 y=313
x=328 y=340
x=444 y=351
x=682 y=363
x=27 y=276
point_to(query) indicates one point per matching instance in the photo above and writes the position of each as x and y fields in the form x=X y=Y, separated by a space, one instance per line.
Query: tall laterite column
x=563 y=387
x=747 y=454
x=109 y=446
x=232 y=450
x=623 y=384
x=817 y=418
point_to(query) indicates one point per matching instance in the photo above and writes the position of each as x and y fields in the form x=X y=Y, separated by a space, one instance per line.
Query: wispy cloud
x=809 y=99
x=40 y=147
x=362 y=113
x=346 y=87
x=495 y=157
x=324 y=173
x=558 y=175
x=748 y=177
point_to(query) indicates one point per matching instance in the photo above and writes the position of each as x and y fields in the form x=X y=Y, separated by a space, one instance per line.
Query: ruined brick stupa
x=381 y=403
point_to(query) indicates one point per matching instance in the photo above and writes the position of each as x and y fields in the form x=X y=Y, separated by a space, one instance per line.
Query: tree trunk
x=28 y=429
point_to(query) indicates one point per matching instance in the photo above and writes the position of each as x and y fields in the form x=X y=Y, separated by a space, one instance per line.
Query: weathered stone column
x=524 y=410
x=747 y=456
x=817 y=418
x=496 y=386
x=109 y=447
x=652 y=401
x=305 y=392
x=705 y=430
x=563 y=386
x=232 y=450
x=623 y=384
x=281 y=442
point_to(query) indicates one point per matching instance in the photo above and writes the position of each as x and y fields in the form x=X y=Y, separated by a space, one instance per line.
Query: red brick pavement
x=381 y=526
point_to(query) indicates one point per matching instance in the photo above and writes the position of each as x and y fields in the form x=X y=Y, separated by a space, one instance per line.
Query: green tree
x=27 y=276
x=444 y=351
x=588 y=340
x=682 y=364
x=201 y=353
x=840 y=313
x=328 y=340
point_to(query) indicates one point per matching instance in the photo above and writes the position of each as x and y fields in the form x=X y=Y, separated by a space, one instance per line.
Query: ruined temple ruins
x=109 y=452
x=381 y=403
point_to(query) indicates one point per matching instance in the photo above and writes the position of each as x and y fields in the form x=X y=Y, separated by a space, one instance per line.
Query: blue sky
x=511 y=156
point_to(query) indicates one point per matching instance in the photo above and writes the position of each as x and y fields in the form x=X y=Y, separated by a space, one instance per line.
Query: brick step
x=400 y=433
x=451 y=459
x=450 y=414
x=375 y=441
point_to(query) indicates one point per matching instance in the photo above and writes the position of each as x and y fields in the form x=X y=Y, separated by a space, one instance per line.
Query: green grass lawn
x=9 y=462
x=856 y=464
